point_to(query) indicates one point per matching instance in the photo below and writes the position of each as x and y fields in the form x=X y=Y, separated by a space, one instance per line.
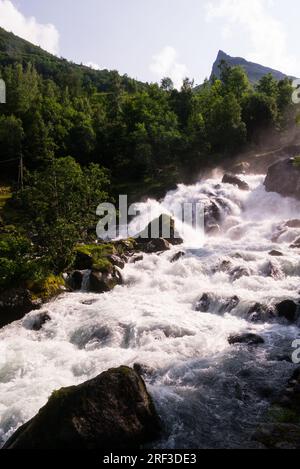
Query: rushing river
x=210 y=394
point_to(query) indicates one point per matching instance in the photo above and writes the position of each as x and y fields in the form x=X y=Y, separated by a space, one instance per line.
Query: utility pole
x=21 y=173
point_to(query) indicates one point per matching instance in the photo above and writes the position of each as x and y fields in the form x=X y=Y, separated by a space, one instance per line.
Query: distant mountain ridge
x=14 y=49
x=254 y=71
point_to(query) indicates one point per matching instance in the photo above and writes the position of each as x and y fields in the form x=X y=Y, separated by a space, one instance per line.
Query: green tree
x=60 y=202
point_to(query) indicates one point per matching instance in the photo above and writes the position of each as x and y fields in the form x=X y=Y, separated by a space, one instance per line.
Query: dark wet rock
x=296 y=244
x=116 y=261
x=39 y=321
x=248 y=339
x=83 y=261
x=15 y=304
x=223 y=266
x=259 y=312
x=275 y=253
x=160 y=228
x=89 y=302
x=136 y=258
x=75 y=280
x=229 y=304
x=179 y=255
x=112 y=411
x=293 y=223
x=239 y=272
x=143 y=370
x=155 y=246
x=287 y=309
x=237 y=255
x=215 y=210
x=203 y=304
x=102 y=282
x=284 y=178
x=235 y=181
x=212 y=214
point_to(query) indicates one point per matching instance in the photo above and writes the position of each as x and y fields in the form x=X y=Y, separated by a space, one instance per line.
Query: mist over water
x=209 y=394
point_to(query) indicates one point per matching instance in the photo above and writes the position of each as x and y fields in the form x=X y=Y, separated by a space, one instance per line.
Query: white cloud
x=93 y=65
x=165 y=65
x=266 y=33
x=43 y=35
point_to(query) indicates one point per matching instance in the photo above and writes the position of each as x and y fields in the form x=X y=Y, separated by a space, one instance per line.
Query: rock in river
x=284 y=178
x=287 y=309
x=235 y=181
x=111 y=411
x=248 y=339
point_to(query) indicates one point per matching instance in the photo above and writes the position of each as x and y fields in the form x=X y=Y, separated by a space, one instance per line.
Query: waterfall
x=175 y=318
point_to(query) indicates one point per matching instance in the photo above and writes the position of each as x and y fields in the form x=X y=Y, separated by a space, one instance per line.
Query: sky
x=151 y=39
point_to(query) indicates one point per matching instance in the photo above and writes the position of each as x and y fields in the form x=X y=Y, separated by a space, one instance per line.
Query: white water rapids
x=209 y=394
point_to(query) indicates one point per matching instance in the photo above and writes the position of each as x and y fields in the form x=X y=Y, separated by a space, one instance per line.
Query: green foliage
x=60 y=202
x=17 y=263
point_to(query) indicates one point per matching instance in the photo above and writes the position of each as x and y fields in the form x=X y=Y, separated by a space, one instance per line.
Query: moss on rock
x=46 y=288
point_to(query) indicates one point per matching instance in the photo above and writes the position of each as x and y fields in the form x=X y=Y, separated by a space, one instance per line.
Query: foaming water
x=209 y=394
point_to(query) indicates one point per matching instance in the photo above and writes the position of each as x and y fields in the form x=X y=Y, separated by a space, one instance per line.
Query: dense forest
x=84 y=136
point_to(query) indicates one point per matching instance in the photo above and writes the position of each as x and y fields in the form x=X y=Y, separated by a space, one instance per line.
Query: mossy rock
x=98 y=257
x=46 y=288
x=94 y=257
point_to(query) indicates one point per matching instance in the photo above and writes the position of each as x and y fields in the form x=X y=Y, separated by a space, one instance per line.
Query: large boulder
x=235 y=181
x=111 y=411
x=287 y=309
x=102 y=282
x=247 y=339
x=15 y=304
x=36 y=322
x=284 y=178
x=162 y=227
x=155 y=246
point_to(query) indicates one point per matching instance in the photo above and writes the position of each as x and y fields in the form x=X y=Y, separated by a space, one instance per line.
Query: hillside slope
x=13 y=50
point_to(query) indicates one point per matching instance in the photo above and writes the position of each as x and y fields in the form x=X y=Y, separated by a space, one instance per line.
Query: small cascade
x=86 y=281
